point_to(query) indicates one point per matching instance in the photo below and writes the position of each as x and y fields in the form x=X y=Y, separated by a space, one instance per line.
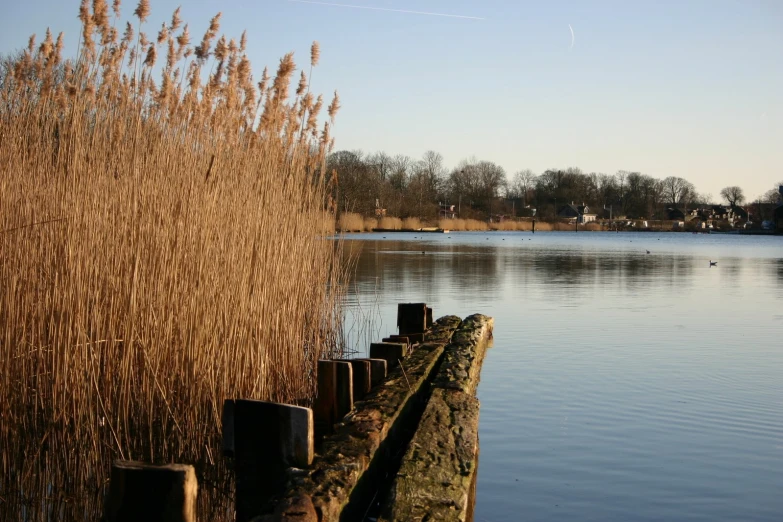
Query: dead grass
x=157 y=256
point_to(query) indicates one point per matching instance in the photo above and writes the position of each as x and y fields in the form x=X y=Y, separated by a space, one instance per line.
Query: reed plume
x=160 y=252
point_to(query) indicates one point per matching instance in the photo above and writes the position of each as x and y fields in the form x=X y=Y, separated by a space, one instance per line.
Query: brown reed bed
x=157 y=255
x=462 y=224
x=390 y=223
x=350 y=222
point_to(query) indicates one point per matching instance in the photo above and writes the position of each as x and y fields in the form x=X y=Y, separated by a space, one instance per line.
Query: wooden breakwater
x=393 y=437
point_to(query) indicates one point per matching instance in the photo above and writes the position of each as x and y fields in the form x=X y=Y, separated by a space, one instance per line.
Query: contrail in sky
x=407 y=11
x=572 y=36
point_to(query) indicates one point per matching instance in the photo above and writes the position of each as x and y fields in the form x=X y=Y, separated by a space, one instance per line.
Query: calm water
x=621 y=385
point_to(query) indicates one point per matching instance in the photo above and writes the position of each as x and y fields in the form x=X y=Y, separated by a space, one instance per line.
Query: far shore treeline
x=405 y=187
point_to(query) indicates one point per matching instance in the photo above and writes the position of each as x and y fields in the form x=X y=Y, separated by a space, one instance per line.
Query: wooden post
x=429 y=318
x=377 y=371
x=411 y=317
x=362 y=377
x=410 y=338
x=139 y=491
x=335 y=393
x=391 y=352
x=344 y=389
x=325 y=403
x=228 y=428
x=397 y=339
x=269 y=438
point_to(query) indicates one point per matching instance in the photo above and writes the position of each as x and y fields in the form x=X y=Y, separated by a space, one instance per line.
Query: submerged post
x=139 y=491
x=269 y=438
x=411 y=318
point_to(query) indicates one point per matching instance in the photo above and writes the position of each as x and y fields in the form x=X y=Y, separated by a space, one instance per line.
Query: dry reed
x=157 y=256
x=350 y=222
x=370 y=224
x=462 y=224
x=390 y=223
x=513 y=226
x=411 y=223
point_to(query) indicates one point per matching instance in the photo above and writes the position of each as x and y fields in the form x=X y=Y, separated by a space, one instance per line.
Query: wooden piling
x=392 y=353
x=228 y=428
x=411 y=317
x=403 y=339
x=269 y=438
x=335 y=394
x=344 y=389
x=377 y=371
x=362 y=377
x=139 y=491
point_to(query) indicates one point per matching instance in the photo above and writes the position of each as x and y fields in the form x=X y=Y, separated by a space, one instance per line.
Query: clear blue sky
x=691 y=88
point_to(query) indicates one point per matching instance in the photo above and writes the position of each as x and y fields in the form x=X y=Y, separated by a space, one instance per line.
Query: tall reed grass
x=370 y=224
x=390 y=223
x=350 y=222
x=158 y=254
x=411 y=223
x=462 y=224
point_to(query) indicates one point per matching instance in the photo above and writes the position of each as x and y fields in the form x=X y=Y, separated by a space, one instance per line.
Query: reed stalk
x=159 y=253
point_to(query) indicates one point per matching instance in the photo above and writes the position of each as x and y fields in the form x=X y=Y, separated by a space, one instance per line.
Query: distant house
x=675 y=214
x=379 y=211
x=580 y=213
x=447 y=211
x=739 y=213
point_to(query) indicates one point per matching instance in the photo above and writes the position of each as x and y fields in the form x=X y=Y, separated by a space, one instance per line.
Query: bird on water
x=713 y=263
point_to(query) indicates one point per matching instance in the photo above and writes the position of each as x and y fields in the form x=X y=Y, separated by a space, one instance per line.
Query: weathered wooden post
x=140 y=491
x=411 y=318
x=228 y=428
x=429 y=317
x=401 y=339
x=408 y=338
x=377 y=371
x=335 y=393
x=362 y=377
x=391 y=352
x=269 y=438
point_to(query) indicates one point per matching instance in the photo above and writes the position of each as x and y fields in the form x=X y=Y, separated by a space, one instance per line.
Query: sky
x=689 y=88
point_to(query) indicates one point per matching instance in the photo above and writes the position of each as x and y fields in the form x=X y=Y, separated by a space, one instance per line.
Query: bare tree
x=523 y=182
x=678 y=191
x=733 y=195
x=774 y=195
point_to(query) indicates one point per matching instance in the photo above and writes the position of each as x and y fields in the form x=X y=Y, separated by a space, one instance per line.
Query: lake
x=621 y=385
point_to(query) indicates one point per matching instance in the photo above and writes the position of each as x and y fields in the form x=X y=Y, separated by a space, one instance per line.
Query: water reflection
x=622 y=385
x=398 y=266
